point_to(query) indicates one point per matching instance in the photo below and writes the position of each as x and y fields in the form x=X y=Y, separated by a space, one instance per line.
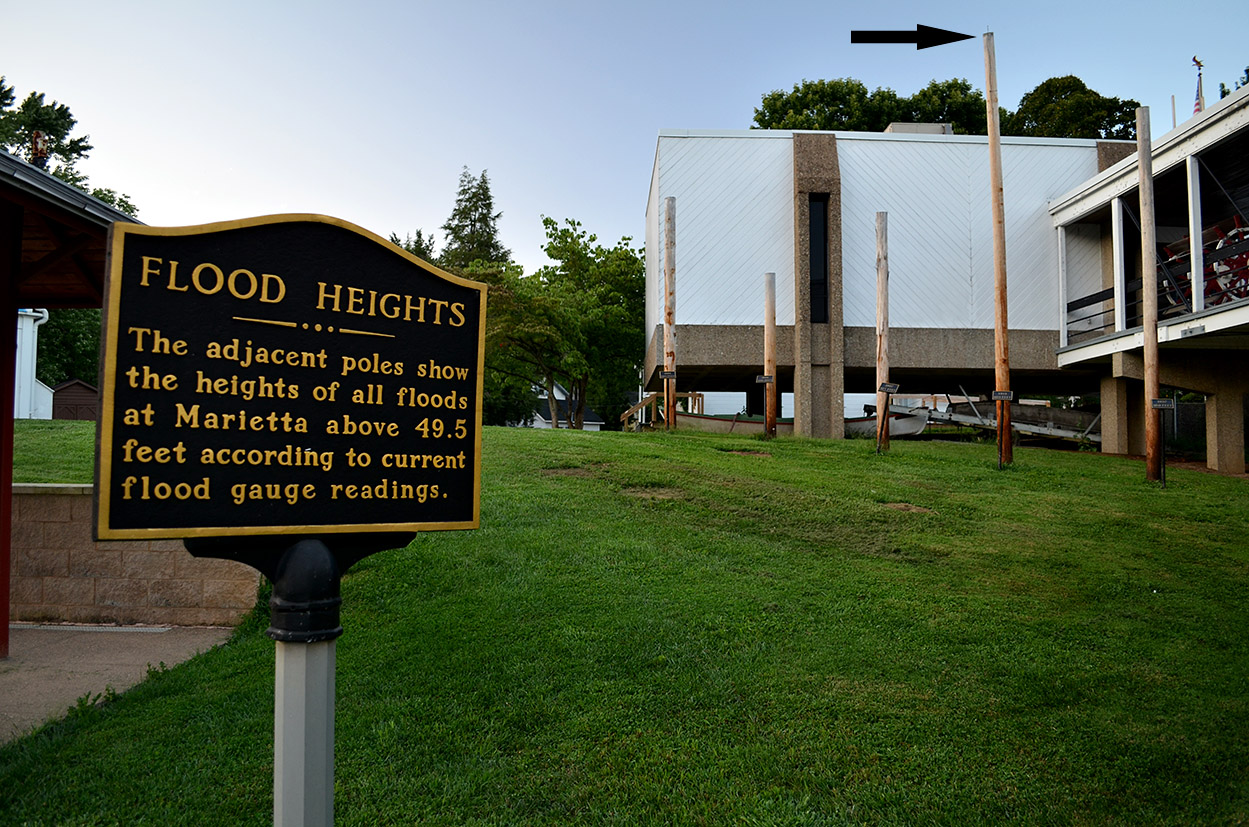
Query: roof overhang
x=62 y=233
x=1213 y=126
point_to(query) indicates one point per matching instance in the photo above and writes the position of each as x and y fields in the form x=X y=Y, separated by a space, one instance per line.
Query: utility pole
x=769 y=353
x=670 y=314
x=882 y=330
x=1149 y=294
x=1001 y=343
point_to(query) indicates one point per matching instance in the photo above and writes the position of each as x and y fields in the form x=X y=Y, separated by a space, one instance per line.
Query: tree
x=1058 y=108
x=472 y=231
x=841 y=103
x=950 y=101
x=69 y=346
x=419 y=245
x=1243 y=80
x=1064 y=107
x=525 y=344
x=52 y=120
x=54 y=123
x=605 y=289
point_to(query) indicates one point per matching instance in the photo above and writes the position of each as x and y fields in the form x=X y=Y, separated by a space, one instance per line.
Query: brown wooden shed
x=75 y=399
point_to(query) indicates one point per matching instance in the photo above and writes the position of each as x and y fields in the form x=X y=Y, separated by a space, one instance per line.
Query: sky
x=368 y=110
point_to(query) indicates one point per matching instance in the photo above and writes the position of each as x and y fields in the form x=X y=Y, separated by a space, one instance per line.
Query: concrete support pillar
x=1123 y=423
x=1225 y=430
x=819 y=334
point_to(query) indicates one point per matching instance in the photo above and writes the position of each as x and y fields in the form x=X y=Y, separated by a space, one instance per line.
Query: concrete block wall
x=59 y=573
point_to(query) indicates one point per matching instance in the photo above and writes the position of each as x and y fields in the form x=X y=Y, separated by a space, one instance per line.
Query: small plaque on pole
x=1162 y=404
x=667 y=374
x=764 y=379
x=1003 y=396
x=888 y=387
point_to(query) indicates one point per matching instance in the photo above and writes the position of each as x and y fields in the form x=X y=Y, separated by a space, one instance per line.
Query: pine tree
x=472 y=231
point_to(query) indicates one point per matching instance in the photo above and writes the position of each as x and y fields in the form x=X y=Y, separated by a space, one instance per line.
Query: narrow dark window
x=818 y=256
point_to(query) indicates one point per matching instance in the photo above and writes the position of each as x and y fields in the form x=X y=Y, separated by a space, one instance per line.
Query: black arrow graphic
x=923 y=37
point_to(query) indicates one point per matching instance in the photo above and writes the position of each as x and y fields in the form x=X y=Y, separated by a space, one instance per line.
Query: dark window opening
x=818 y=258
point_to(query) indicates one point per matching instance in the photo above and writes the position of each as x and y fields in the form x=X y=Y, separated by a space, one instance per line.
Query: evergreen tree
x=419 y=245
x=472 y=232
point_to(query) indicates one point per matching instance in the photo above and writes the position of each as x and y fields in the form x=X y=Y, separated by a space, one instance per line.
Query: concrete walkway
x=50 y=667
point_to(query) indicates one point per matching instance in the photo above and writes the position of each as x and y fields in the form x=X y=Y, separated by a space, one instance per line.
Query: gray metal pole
x=303 y=735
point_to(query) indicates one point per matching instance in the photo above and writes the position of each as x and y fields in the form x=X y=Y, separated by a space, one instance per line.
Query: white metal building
x=803 y=205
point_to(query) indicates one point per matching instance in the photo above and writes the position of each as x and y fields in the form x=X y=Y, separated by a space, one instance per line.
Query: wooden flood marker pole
x=882 y=331
x=670 y=314
x=1001 y=343
x=1149 y=294
x=769 y=353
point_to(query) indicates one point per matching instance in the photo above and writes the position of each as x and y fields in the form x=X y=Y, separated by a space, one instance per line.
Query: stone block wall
x=60 y=573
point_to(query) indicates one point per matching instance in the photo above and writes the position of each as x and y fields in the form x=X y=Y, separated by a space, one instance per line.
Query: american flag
x=1200 y=103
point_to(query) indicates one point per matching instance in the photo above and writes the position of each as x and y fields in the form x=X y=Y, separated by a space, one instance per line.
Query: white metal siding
x=1084 y=271
x=654 y=250
x=941 y=231
x=734 y=217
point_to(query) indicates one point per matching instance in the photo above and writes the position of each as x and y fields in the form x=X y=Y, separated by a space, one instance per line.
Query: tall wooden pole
x=1001 y=343
x=882 y=329
x=1149 y=295
x=769 y=352
x=670 y=313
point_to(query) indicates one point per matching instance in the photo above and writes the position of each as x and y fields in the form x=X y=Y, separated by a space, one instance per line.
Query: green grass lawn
x=53 y=450
x=700 y=629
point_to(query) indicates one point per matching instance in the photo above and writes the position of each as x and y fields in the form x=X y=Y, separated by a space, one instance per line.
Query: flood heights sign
x=287 y=375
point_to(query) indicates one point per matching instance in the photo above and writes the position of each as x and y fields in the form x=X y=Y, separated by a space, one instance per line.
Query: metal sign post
x=1002 y=400
x=293 y=393
x=1162 y=406
x=882 y=414
x=769 y=415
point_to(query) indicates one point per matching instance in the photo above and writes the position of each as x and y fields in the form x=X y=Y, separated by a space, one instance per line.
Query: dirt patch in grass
x=647 y=492
x=917 y=509
x=750 y=453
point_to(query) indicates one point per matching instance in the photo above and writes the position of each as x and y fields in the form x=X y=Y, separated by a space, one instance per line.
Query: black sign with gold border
x=285 y=375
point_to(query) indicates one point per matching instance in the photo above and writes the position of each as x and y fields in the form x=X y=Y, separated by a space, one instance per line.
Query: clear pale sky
x=368 y=110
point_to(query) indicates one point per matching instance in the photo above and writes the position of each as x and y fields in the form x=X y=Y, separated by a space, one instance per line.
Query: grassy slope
x=698 y=629
x=53 y=450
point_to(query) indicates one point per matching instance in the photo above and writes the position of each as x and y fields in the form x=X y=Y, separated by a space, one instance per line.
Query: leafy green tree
x=1243 y=80
x=841 y=103
x=472 y=232
x=1057 y=108
x=525 y=340
x=54 y=122
x=69 y=347
x=954 y=102
x=1064 y=107
x=605 y=288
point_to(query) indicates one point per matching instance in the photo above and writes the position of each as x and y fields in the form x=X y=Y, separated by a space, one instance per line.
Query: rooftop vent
x=921 y=128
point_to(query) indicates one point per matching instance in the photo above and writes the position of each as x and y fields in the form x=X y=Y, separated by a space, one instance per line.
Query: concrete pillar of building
x=1122 y=423
x=819 y=346
x=1225 y=429
x=1114 y=396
